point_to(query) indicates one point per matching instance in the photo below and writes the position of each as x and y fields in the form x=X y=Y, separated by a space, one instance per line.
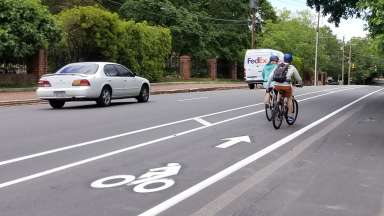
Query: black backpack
x=280 y=74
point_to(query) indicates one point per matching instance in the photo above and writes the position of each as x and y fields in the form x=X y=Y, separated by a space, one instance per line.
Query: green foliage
x=146 y=48
x=91 y=34
x=295 y=35
x=368 y=62
x=94 y=34
x=371 y=10
x=25 y=27
x=203 y=29
x=56 y=6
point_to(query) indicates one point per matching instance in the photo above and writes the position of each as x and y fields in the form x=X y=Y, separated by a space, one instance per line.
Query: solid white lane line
x=88 y=160
x=192 y=99
x=202 y=121
x=26 y=157
x=237 y=166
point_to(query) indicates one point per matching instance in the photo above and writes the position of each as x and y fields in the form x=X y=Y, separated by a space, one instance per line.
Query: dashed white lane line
x=26 y=157
x=239 y=165
x=202 y=121
x=88 y=160
x=192 y=99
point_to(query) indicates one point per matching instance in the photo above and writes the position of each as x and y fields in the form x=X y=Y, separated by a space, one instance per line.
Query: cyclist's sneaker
x=291 y=119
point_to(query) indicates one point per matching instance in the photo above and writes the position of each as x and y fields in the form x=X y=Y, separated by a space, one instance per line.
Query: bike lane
x=70 y=193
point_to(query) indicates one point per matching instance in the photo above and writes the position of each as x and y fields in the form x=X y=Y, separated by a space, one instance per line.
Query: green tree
x=25 y=27
x=371 y=10
x=145 y=49
x=95 y=34
x=187 y=33
x=91 y=33
x=295 y=35
x=56 y=6
x=367 y=62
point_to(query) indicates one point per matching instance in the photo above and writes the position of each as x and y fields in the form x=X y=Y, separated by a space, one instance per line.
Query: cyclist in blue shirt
x=267 y=70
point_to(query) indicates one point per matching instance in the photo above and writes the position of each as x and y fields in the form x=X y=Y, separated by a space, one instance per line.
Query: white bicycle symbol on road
x=157 y=178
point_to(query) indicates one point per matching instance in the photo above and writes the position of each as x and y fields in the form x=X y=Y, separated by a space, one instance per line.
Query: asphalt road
x=85 y=160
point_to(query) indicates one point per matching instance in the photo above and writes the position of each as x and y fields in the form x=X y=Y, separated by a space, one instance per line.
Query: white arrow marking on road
x=233 y=141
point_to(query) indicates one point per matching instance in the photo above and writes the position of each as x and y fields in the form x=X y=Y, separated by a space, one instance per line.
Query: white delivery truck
x=254 y=62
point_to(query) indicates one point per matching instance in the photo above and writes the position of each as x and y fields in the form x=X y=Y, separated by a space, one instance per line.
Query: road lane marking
x=192 y=99
x=156 y=176
x=222 y=201
x=233 y=141
x=88 y=160
x=202 y=121
x=35 y=155
x=241 y=164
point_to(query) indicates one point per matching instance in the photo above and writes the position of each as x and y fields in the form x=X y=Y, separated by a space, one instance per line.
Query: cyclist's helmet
x=274 y=58
x=288 y=58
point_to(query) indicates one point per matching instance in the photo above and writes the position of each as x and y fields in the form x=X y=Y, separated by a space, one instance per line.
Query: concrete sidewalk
x=10 y=98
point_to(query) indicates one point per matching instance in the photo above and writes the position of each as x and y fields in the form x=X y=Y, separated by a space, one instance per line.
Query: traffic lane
x=74 y=187
x=39 y=124
x=60 y=158
x=338 y=174
x=33 y=130
x=13 y=168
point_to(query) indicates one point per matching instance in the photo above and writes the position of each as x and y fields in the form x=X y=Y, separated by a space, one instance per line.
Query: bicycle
x=280 y=110
x=270 y=105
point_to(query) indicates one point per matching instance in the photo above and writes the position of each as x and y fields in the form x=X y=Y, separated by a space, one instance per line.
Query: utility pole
x=350 y=62
x=342 y=66
x=253 y=4
x=317 y=44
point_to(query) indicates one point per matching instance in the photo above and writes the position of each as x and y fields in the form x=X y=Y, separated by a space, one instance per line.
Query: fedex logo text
x=258 y=60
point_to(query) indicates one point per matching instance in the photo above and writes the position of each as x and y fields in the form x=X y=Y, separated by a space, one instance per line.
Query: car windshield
x=79 y=69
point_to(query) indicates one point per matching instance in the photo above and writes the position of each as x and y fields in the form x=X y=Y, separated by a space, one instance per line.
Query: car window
x=110 y=70
x=83 y=68
x=124 y=71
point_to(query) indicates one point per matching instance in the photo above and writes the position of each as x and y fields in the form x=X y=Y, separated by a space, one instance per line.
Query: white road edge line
x=191 y=99
x=237 y=166
x=202 y=121
x=30 y=156
x=88 y=160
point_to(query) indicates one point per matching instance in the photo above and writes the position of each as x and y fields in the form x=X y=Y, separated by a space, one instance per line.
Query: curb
x=173 y=91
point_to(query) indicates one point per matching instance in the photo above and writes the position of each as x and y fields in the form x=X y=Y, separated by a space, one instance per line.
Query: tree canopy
x=204 y=29
x=25 y=27
x=95 y=34
x=371 y=10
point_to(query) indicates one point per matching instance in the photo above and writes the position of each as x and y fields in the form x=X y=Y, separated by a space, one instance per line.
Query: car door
x=131 y=83
x=114 y=80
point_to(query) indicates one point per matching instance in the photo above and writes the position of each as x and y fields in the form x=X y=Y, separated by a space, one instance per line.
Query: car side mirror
x=134 y=74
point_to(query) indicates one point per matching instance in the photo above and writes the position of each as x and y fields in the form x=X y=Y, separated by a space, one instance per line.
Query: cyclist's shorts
x=287 y=90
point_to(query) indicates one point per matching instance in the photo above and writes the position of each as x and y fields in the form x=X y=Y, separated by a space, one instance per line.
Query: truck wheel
x=251 y=86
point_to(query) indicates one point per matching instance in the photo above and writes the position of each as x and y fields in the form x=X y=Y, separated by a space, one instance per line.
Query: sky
x=348 y=28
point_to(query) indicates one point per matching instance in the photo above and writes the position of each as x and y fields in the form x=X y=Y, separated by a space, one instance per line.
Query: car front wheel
x=144 y=94
x=56 y=104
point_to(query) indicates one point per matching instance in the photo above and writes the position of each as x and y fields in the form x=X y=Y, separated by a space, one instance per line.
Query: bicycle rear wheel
x=291 y=117
x=277 y=115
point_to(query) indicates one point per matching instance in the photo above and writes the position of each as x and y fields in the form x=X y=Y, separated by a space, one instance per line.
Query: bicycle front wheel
x=291 y=117
x=277 y=116
x=269 y=109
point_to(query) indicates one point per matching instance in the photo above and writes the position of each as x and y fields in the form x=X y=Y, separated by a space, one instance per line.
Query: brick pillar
x=234 y=71
x=212 y=66
x=186 y=64
x=39 y=64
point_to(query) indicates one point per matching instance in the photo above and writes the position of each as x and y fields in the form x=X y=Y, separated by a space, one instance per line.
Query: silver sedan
x=98 y=81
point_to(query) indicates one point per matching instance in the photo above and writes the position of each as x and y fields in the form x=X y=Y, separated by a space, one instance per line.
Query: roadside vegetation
x=149 y=35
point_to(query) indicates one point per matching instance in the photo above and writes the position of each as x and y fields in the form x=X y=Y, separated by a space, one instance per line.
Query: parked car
x=97 y=81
